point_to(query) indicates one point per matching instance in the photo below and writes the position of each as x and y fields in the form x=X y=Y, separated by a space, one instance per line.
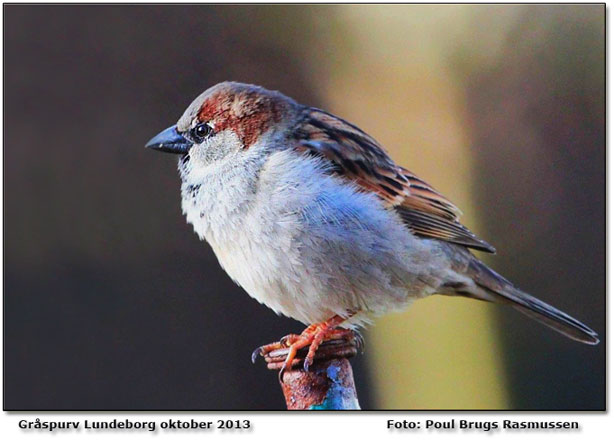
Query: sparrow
x=311 y=216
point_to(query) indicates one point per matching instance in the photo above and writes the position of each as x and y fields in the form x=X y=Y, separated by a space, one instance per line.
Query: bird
x=311 y=217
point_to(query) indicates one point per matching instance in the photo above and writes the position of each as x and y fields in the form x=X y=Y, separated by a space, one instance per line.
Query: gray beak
x=169 y=141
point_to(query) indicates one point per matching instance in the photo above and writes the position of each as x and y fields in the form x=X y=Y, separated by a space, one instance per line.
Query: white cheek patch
x=216 y=148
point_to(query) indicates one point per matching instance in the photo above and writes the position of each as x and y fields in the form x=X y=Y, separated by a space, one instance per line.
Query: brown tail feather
x=495 y=288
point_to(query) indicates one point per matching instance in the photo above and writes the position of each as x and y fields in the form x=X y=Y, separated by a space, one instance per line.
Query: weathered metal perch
x=329 y=383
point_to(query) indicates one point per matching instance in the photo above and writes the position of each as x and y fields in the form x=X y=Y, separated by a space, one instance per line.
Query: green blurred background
x=111 y=302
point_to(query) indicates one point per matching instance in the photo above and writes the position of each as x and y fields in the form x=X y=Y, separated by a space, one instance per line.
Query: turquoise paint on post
x=338 y=396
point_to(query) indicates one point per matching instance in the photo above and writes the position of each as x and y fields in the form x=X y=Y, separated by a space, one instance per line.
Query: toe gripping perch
x=325 y=381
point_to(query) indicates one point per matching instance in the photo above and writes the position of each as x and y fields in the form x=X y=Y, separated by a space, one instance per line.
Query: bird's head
x=227 y=118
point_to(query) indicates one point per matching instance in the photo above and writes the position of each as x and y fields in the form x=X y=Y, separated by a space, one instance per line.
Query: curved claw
x=257 y=352
x=280 y=376
x=306 y=364
x=360 y=341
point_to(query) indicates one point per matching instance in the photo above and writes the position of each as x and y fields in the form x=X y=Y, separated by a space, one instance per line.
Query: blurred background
x=111 y=301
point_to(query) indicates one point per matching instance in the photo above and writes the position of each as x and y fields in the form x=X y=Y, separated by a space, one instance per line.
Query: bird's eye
x=200 y=132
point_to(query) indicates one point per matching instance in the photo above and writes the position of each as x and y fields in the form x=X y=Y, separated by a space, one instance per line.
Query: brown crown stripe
x=248 y=113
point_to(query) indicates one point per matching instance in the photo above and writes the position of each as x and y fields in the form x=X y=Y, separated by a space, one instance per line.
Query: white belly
x=308 y=248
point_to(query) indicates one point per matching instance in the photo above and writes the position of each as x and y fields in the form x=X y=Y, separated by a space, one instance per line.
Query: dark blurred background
x=112 y=302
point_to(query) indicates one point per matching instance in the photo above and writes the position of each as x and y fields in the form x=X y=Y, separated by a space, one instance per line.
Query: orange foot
x=311 y=337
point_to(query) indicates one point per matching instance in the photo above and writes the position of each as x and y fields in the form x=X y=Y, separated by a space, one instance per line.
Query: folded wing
x=358 y=157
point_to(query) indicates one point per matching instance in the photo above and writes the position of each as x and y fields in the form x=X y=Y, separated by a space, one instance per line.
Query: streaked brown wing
x=357 y=156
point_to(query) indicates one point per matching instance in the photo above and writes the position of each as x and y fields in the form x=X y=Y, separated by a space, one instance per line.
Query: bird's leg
x=284 y=342
x=312 y=337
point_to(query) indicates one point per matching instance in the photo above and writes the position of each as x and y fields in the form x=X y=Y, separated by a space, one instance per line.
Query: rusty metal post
x=329 y=383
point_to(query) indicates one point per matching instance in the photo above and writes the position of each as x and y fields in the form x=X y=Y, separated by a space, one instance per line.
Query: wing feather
x=358 y=157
